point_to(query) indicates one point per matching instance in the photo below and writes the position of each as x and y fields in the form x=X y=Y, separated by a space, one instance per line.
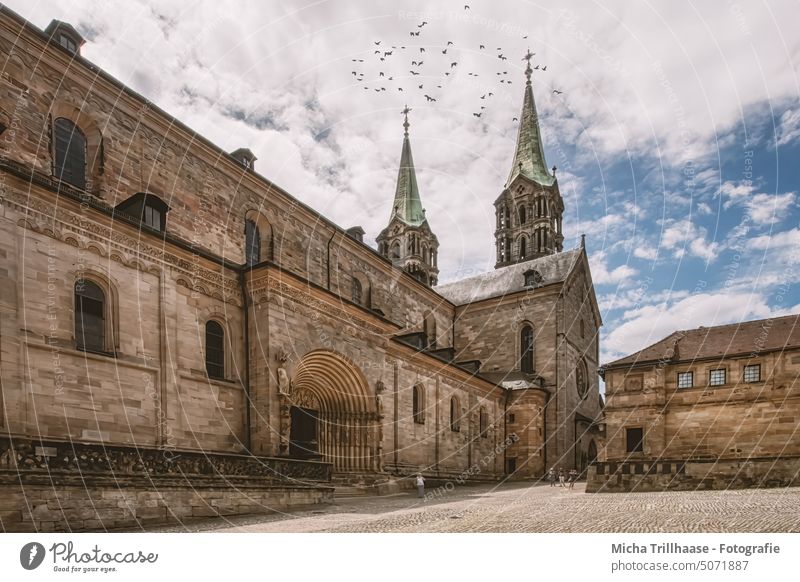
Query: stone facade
x=719 y=403
x=377 y=385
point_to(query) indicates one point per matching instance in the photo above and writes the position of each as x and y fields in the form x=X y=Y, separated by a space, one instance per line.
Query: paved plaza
x=535 y=508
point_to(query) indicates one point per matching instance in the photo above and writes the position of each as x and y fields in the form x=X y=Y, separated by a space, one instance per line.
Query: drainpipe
x=246 y=325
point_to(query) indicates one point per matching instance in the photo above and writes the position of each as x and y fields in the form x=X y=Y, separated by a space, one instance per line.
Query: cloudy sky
x=676 y=135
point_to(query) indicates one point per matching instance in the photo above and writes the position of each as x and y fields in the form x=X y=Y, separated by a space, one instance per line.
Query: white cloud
x=603 y=275
x=789 y=128
x=645 y=252
x=683 y=236
x=770 y=208
x=645 y=325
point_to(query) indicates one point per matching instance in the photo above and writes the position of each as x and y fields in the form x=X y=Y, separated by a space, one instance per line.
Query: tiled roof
x=553 y=269
x=745 y=337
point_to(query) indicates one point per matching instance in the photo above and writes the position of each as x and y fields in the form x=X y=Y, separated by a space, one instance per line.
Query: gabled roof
x=511 y=279
x=761 y=335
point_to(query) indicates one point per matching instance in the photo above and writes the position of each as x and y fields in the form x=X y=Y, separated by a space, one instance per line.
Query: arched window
x=418 y=404
x=357 y=292
x=523 y=247
x=483 y=423
x=395 y=252
x=526 y=349
x=70 y=153
x=252 y=237
x=90 y=316
x=215 y=350
x=455 y=414
x=522 y=215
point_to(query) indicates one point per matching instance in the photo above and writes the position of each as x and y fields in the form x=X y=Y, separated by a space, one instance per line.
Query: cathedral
x=179 y=333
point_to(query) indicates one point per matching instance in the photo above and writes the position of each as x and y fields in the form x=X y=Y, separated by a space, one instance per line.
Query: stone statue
x=284 y=384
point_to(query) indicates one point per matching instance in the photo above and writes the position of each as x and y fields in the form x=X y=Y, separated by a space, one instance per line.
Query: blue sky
x=676 y=135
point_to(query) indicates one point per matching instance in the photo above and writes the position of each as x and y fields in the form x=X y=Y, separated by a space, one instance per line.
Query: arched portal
x=333 y=414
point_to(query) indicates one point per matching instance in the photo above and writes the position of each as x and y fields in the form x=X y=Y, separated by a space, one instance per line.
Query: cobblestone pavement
x=535 y=508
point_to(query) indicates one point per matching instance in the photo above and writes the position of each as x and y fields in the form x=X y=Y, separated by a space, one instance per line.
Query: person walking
x=551 y=476
x=573 y=476
x=420 y=481
x=561 y=477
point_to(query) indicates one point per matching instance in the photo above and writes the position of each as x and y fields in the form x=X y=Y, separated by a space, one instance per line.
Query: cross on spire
x=405 y=112
x=528 y=71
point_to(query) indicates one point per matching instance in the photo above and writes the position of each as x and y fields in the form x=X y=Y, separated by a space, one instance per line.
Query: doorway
x=303 y=443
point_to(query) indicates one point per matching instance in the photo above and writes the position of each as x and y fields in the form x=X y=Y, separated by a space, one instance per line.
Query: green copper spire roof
x=407 y=204
x=529 y=156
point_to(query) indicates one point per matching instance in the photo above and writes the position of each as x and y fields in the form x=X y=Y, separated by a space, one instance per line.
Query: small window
x=90 y=316
x=252 y=238
x=418 y=404
x=215 y=350
x=752 y=373
x=533 y=278
x=357 y=291
x=483 y=423
x=152 y=217
x=511 y=418
x=716 y=377
x=70 y=153
x=526 y=350
x=634 y=440
x=68 y=43
x=685 y=380
x=523 y=248
x=522 y=215
x=455 y=415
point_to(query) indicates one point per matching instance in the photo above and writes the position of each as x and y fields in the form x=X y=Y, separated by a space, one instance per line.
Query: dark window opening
x=417 y=405
x=511 y=418
x=90 y=321
x=215 y=350
x=511 y=466
x=68 y=43
x=455 y=415
x=70 y=153
x=483 y=423
x=526 y=350
x=634 y=440
x=252 y=238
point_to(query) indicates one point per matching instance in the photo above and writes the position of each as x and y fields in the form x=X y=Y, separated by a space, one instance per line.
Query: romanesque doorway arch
x=333 y=415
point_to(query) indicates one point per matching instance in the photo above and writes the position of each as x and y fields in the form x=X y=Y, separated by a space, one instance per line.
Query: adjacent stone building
x=180 y=337
x=712 y=407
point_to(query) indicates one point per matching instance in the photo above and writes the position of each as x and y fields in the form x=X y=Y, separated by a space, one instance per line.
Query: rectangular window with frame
x=634 y=440
x=716 y=377
x=685 y=379
x=752 y=373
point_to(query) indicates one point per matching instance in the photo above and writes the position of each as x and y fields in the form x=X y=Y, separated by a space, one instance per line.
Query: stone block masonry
x=51 y=486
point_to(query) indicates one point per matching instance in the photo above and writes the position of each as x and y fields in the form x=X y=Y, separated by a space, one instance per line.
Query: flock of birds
x=432 y=78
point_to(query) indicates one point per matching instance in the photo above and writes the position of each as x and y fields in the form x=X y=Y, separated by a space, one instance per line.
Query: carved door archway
x=331 y=390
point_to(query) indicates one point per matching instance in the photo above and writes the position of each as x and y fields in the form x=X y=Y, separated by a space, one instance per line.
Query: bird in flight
x=415 y=33
x=424 y=22
x=544 y=68
x=515 y=119
x=449 y=42
x=478 y=114
x=453 y=65
x=557 y=92
x=414 y=72
x=482 y=47
x=421 y=49
x=466 y=6
x=380 y=74
x=387 y=54
x=444 y=52
x=377 y=43
x=536 y=68
x=491 y=94
x=429 y=98
x=420 y=86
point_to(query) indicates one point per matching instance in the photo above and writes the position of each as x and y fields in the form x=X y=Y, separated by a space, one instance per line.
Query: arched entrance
x=333 y=416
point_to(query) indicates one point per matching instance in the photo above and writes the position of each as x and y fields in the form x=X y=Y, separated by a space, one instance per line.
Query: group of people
x=563 y=479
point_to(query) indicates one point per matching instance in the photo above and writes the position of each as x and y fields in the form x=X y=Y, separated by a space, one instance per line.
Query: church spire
x=407 y=203
x=529 y=155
